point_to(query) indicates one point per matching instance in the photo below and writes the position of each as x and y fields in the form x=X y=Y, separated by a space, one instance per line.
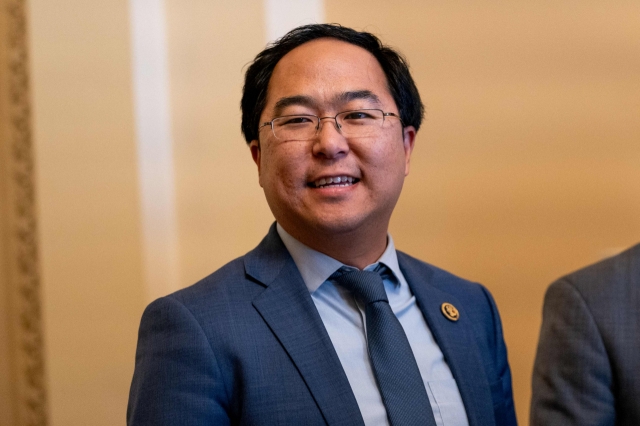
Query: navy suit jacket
x=246 y=346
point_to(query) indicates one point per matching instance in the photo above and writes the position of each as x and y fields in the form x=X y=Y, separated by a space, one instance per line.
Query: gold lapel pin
x=450 y=312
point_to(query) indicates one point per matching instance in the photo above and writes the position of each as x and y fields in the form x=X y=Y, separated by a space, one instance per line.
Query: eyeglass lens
x=360 y=123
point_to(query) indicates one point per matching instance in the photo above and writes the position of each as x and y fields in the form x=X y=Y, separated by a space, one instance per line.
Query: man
x=587 y=369
x=295 y=332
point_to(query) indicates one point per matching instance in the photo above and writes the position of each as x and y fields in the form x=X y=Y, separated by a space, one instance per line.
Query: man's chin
x=343 y=227
x=324 y=227
x=336 y=228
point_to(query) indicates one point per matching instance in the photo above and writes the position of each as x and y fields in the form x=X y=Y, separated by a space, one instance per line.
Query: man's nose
x=329 y=142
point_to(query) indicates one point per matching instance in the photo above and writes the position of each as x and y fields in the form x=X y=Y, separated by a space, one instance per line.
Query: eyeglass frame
x=335 y=118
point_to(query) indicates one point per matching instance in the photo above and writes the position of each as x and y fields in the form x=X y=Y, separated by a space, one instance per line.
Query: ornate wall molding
x=20 y=221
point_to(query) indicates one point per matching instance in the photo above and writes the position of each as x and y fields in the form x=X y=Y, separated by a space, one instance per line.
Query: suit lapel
x=456 y=341
x=286 y=306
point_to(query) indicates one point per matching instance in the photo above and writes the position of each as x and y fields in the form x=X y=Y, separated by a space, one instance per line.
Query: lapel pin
x=450 y=312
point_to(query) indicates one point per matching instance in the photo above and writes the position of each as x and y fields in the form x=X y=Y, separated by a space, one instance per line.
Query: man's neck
x=358 y=249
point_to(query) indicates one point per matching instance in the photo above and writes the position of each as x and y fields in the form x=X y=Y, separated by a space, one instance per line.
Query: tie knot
x=367 y=286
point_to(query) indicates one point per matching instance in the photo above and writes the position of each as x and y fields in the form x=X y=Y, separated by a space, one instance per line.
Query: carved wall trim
x=20 y=222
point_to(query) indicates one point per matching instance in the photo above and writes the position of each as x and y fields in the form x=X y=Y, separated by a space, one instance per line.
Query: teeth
x=336 y=181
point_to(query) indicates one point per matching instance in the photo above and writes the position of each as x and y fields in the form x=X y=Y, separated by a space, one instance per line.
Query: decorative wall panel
x=23 y=341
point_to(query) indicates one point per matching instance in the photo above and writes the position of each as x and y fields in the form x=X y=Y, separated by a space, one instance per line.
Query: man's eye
x=358 y=115
x=292 y=121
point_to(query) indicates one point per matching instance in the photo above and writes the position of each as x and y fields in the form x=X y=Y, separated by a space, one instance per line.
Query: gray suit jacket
x=587 y=369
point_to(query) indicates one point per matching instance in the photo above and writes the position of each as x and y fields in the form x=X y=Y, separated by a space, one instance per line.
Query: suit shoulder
x=615 y=274
x=226 y=287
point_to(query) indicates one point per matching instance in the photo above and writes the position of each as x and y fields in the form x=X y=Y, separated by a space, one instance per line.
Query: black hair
x=395 y=67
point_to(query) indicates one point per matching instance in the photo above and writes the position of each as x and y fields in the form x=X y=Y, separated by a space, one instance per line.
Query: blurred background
x=138 y=181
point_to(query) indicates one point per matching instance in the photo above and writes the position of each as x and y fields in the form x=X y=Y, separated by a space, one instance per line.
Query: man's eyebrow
x=287 y=101
x=358 y=94
x=308 y=101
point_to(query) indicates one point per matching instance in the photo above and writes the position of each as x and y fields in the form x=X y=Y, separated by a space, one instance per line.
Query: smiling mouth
x=333 y=182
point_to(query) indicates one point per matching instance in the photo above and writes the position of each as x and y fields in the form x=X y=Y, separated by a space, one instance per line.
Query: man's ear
x=254 y=147
x=256 y=154
x=408 y=140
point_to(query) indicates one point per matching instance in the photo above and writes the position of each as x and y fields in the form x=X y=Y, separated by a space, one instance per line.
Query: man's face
x=324 y=77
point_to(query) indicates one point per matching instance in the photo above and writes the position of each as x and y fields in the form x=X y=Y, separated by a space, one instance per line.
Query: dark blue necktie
x=401 y=386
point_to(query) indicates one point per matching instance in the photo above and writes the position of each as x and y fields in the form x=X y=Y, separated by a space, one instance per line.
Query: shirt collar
x=316 y=267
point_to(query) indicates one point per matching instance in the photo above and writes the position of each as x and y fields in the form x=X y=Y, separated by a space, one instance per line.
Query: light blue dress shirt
x=344 y=321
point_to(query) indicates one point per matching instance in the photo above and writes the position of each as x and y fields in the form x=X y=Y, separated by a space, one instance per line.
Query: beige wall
x=220 y=207
x=525 y=169
x=88 y=199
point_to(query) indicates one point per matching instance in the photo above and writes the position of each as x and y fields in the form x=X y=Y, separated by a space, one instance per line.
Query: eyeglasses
x=353 y=124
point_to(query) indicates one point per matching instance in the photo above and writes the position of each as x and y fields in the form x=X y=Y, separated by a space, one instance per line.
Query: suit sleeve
x=176 y=380
x=572 y=376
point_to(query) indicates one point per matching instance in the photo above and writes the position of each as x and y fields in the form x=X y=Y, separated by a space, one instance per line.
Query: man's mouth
x=333 y=181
